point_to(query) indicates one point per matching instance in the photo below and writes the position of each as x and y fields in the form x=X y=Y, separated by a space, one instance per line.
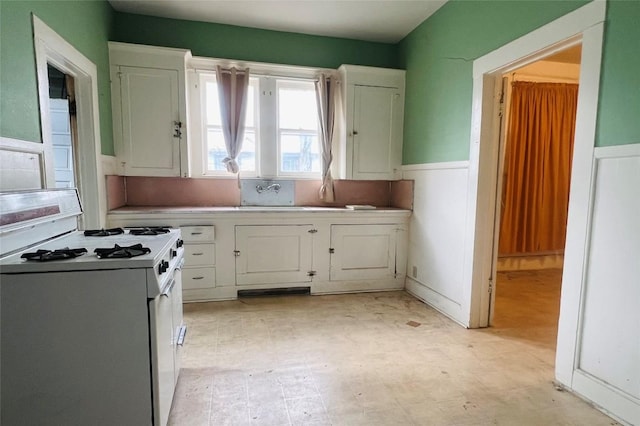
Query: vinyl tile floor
x=376 y=359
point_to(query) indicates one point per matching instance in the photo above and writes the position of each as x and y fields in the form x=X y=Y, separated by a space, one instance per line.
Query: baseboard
x=437 y=301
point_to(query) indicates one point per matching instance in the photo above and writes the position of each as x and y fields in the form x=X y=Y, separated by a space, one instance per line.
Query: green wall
x=85 y=24
x=233 y=42
x=438 y=56
x=619 y=106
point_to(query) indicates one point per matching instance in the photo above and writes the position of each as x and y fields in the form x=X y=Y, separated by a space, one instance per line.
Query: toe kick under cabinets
x=324 y=250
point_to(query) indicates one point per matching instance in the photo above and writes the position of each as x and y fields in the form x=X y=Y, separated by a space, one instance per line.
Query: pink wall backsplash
x=402 y=194
x=170 y=191
x=375 y=193
x=116 y=192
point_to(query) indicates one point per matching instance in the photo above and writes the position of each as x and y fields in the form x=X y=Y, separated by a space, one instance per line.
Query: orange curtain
x=537 y=167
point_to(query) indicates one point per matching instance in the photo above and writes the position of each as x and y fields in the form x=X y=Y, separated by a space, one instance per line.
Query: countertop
x=251 y=210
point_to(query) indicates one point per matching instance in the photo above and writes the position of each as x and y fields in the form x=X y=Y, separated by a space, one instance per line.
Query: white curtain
x=328 y=100
x=232 y=94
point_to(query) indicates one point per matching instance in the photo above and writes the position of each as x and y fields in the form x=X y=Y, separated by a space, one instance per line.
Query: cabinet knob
x=355 y=133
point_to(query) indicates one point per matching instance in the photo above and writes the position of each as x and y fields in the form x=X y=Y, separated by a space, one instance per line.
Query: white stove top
x=159 y=245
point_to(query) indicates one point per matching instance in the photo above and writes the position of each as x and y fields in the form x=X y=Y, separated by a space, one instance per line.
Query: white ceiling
x=386 y=21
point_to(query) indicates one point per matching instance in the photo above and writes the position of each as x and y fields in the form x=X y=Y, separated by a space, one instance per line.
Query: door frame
x=51 y=48
x=584 y=25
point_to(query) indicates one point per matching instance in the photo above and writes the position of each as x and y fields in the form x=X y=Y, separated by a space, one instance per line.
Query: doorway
x=539 y=112
x=52 y=50
x=62 y=112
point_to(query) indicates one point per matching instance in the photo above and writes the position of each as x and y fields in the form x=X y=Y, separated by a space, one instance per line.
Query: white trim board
x=617 y=151
x=435 y=166
x=441 y=303
x=22 y=164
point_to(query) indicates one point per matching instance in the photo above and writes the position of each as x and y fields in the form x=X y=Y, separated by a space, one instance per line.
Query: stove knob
x=174 y=253
x=179 y=243
x=162 y=267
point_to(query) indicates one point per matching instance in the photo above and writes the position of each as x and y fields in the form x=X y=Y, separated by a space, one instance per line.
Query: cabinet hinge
x=236 y=253
x=490 y=286
x=312 y=231
x=332 y=250
x=311 y=273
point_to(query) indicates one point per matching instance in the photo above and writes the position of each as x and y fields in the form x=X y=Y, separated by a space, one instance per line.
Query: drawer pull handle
x=196 y=233
x=197 y=278
x=197 y=254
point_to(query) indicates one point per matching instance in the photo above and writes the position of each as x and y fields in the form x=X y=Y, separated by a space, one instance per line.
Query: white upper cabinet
x=149 y=110
x=371 y=145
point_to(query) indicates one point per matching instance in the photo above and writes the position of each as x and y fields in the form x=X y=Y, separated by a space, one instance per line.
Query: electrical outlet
x=414 y=271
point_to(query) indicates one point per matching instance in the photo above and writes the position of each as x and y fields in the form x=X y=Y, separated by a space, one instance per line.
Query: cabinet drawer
x=193 y=278
x=199 y=255
x=197 y=233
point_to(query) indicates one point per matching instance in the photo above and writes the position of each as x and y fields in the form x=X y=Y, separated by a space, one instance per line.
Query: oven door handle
x=168 y=288
x=181 y=335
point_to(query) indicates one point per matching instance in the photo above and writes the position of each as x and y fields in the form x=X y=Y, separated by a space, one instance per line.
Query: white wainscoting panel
x=608 y=364
x=436 y=236
x=21 y=165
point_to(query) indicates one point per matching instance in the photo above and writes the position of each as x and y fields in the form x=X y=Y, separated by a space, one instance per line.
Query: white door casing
x=52 y=49
x=583 y=25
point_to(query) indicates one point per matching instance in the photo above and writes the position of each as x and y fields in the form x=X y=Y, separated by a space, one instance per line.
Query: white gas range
x=91 y=333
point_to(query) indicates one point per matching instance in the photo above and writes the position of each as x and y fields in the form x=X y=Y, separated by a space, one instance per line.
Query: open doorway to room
x=539 y=115
x=62 y=111
x=52 y=51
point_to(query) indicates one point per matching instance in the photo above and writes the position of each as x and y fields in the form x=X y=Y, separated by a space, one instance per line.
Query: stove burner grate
x=103 y=232
x=117 y=252
x=149 y=230
x=59 y=254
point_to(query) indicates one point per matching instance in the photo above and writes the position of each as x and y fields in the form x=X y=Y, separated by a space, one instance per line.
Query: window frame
x=268 y=153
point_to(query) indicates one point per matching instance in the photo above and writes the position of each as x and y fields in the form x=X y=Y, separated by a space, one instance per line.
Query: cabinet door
x=363 y=252
x=149 y=113
x=273 y=254
x=377 y=132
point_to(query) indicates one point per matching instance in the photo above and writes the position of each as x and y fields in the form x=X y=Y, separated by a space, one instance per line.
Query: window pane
x=217 y=151
x=297 y=107
x=299 y=152
x=213 y=104
x=298 y=123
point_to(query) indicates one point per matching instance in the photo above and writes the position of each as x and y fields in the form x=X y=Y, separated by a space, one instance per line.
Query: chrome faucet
x=274 y=187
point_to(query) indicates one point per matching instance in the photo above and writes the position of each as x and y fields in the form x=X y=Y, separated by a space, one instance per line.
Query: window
x=298 y=147
x=281 y=128
x=214 y=145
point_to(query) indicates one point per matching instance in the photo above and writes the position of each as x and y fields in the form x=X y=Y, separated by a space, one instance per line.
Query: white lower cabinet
x=199 y=257
x=329 y=250
x=363 y=252
x=274 y=254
